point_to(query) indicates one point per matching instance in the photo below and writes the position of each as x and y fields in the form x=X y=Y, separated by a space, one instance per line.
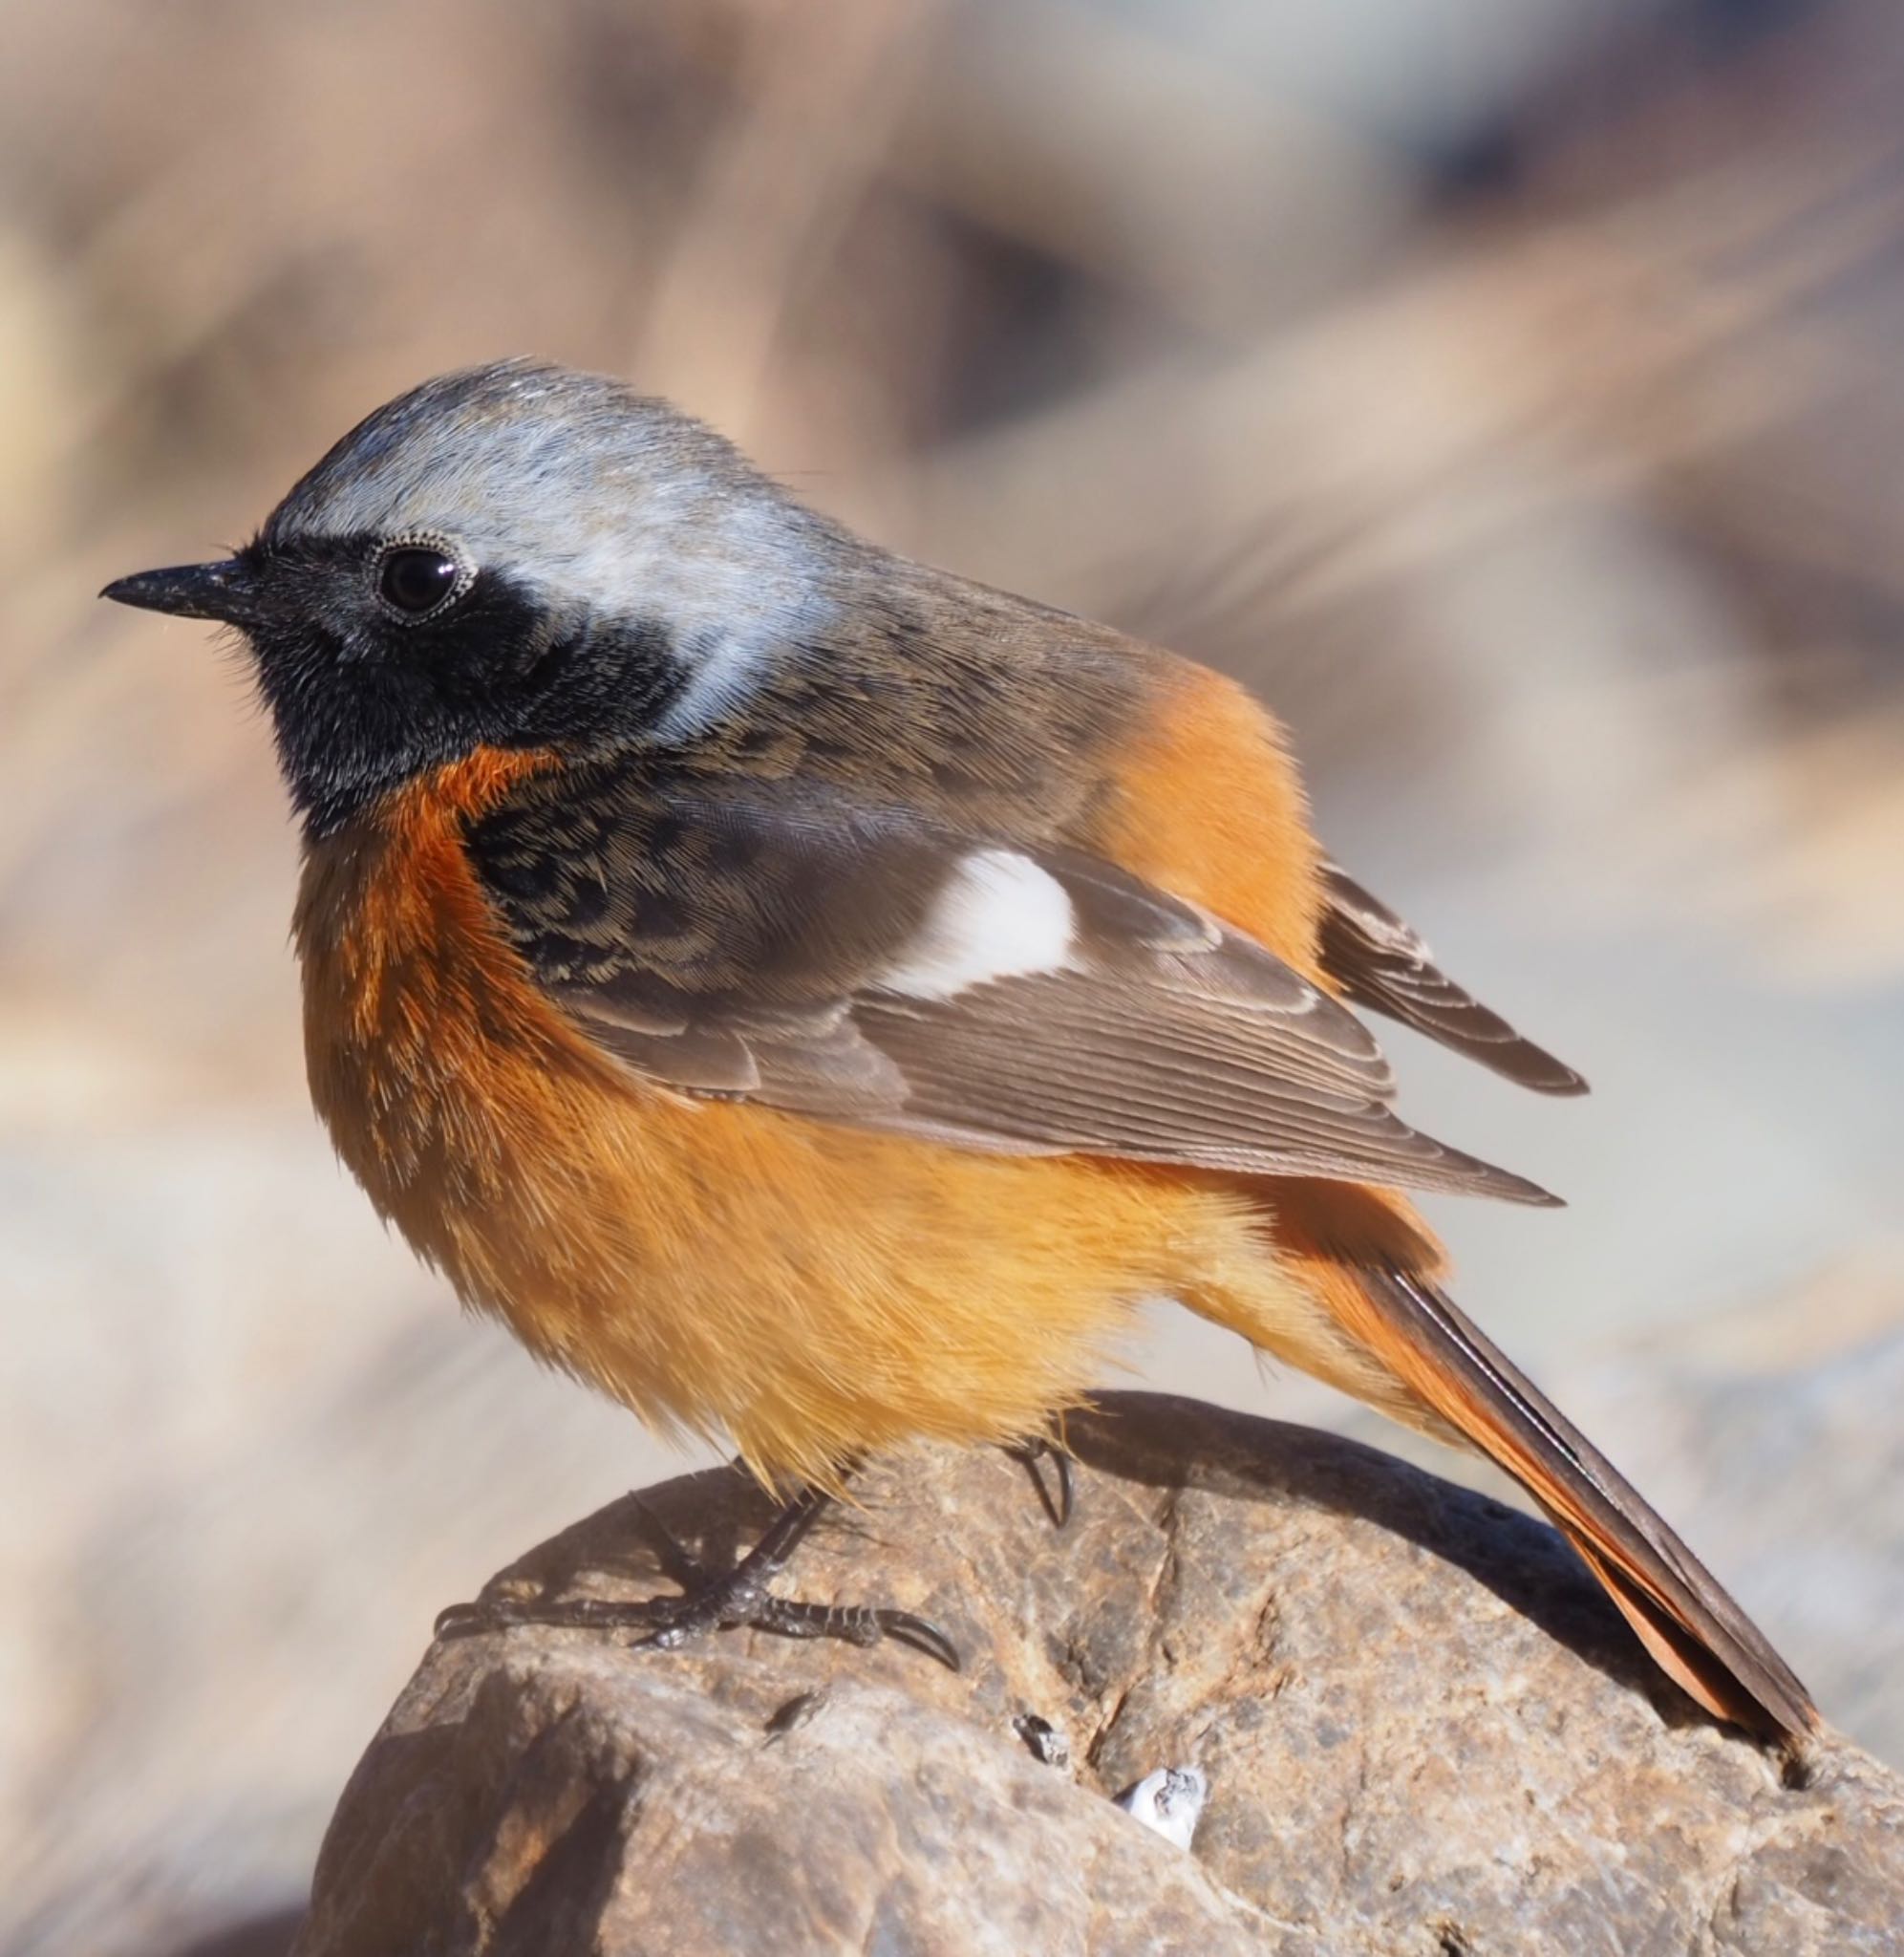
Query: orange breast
x=811 y=1292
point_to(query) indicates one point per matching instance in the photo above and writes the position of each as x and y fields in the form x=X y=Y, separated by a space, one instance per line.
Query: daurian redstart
x=815 y=999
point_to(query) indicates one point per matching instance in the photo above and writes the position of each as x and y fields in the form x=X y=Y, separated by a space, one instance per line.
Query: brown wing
x=1380 y=962
x=861 y=965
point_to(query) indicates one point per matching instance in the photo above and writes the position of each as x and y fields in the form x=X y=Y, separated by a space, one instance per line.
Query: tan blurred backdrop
x=1508 y=388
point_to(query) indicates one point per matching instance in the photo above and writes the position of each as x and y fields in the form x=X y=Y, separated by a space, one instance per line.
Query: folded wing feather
x=864 y=966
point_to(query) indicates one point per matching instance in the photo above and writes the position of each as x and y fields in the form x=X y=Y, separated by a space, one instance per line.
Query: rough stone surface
x=1423 y=1731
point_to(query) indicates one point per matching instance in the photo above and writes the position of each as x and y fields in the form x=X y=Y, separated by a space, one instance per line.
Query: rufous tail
x=1372 y=1319
x=1682 y=1615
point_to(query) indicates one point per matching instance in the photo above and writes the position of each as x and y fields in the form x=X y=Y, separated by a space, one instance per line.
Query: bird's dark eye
x=416 y=579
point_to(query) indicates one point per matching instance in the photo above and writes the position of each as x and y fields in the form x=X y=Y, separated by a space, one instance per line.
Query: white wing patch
x=998 y=916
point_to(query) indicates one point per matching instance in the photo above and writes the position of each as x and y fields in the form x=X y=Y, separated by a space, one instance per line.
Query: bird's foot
x=717 y=1601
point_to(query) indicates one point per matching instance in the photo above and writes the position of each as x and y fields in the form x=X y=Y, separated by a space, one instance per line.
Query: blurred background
x=1509 y=389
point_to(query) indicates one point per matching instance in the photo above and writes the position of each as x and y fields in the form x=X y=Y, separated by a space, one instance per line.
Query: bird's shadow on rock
x=1164 y=1442
x=1161 y=1442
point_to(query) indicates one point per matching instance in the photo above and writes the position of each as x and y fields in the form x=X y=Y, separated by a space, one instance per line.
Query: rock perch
x=1422 y=1730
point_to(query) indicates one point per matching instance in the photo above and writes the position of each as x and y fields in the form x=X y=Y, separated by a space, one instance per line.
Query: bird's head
x=511 y=556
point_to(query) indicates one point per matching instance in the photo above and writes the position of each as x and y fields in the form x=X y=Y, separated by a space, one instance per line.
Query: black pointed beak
x=225 y=591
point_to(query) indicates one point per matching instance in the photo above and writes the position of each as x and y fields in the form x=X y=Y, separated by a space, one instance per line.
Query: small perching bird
x=814 y=998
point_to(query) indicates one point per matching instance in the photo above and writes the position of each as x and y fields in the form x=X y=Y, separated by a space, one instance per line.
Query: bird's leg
x=1056 y=1502
x=721 y=1600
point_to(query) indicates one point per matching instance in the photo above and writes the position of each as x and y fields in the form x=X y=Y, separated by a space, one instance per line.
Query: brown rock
x=1423 y=1731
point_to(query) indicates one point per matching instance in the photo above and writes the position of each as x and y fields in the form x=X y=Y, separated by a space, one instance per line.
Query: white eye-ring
x=420 y=575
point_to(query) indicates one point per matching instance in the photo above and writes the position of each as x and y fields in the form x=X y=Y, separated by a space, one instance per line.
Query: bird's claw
x=1033 y=1454
x=708 y=1601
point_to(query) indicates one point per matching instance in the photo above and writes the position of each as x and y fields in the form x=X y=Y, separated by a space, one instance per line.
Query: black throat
x=362 y=709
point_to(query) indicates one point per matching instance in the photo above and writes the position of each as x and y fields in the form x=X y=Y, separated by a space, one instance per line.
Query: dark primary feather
x=729 y=936
x=1381 y=961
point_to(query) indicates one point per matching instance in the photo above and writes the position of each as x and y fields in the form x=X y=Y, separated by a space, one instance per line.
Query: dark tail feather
x=1697 y=1633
